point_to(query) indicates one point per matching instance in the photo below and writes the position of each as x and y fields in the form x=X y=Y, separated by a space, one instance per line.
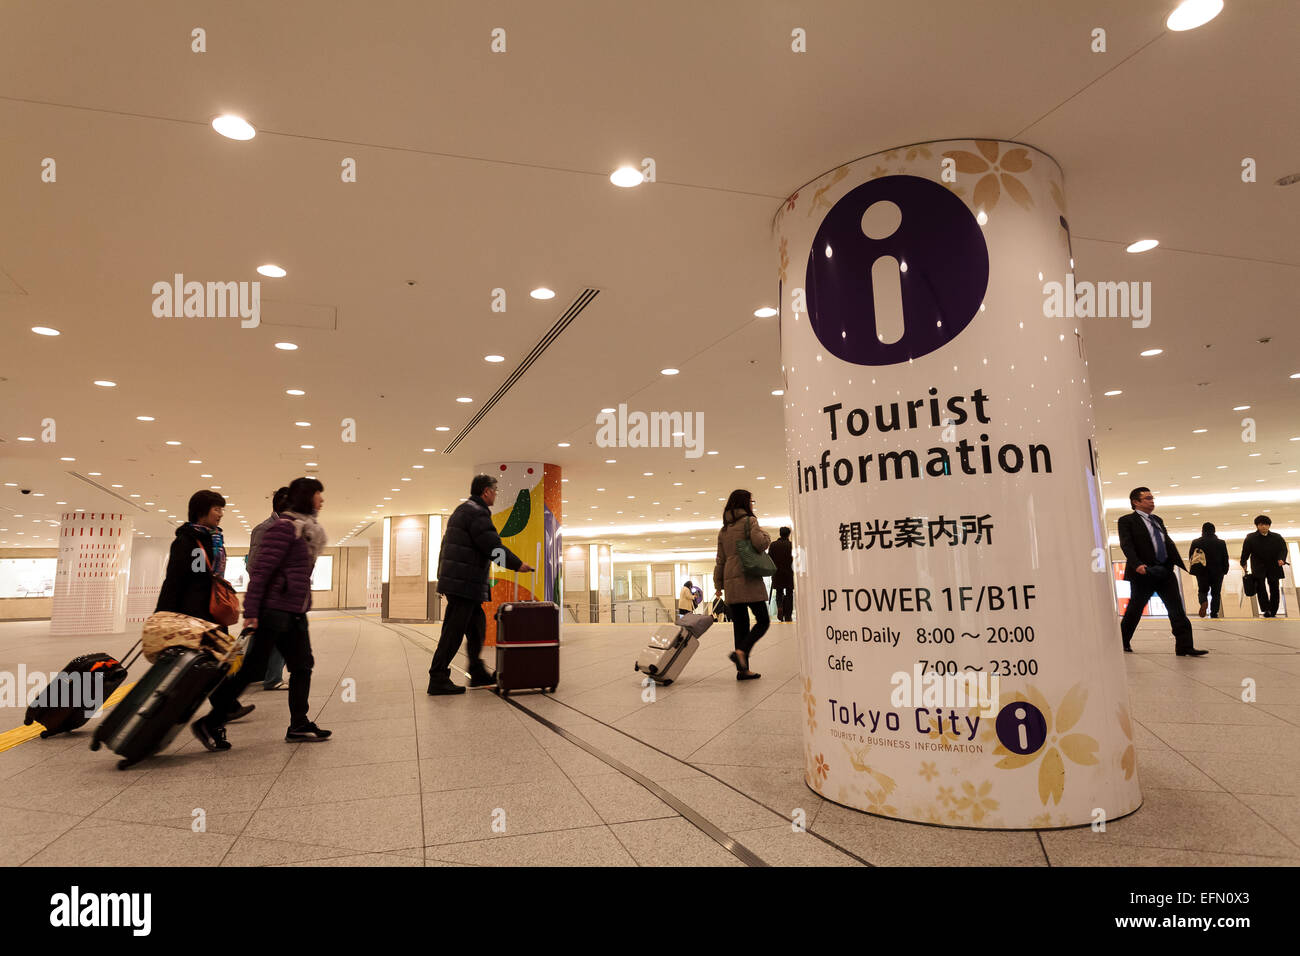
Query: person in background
x=686 y=600
x=1210 y=567
x=1150 y=557
x=275 y=663
x=782 y=553
x=276 y=606
x=197 y=553
x=470 y=546
x=743 y=593
x=1267 y=555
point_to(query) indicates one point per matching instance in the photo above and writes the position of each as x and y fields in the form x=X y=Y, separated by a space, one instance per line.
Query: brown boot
x=1204 y=605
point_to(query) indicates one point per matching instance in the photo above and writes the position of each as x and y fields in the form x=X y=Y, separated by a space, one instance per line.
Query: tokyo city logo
x=898 y=269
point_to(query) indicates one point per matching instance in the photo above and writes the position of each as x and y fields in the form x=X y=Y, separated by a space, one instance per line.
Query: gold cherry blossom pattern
x=1079 y=748
x=819 y=197
x=928 y=770
x=822 y=768
x=858 y=761
x=944 y=738
x=1128 y=762
x=809 y=700
x=946 y=796
x=996 y=169
x=977 y=801
x=876 y=803
x=813 y=778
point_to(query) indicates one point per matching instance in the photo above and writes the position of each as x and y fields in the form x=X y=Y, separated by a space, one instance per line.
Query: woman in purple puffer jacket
x=276 y=606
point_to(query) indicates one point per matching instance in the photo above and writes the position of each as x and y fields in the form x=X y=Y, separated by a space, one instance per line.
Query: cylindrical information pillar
x=960 y=655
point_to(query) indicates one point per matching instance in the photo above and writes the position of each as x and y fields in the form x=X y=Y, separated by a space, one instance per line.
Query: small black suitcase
x=528 y=644
x=77 y=693
x=159 y=705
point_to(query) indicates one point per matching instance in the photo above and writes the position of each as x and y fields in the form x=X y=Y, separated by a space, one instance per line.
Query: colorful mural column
x=961 y=662
x=527 y=516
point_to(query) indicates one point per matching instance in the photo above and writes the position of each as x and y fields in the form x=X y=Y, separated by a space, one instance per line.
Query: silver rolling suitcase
x=671 y=648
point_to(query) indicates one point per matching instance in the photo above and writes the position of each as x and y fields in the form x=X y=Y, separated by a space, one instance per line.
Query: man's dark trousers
x=1268 y=595
x=784 y=603
x=1213 y=587
x=464 y=620
x=1164 y=584
x=288 y=633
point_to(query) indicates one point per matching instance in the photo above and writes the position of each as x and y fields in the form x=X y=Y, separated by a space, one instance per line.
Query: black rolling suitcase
x=160 y=704
x=77 y=693
x=528 y=643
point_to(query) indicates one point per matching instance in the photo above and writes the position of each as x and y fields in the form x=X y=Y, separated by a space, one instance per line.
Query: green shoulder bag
x=757 y=564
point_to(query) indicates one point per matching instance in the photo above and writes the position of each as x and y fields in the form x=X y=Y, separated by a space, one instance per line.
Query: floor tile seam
x=691 y=815
x=83 y=819
x=1246 y=637
x=785 y=828
x=1182 y=849
x=1268 y=823
x=775 y=690
x=356 y=642
x=509 y=836
x=1199 y=682
x=728 y=785
x=419 y=770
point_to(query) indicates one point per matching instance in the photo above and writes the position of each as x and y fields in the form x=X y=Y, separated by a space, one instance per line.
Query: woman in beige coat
x=743 y=594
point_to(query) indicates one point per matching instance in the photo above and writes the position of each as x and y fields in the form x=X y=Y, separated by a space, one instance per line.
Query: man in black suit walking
x=1150 y=557
x=1210 y=569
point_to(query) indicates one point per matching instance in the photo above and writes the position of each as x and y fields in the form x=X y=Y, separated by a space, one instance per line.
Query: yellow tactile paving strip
x=20 y=735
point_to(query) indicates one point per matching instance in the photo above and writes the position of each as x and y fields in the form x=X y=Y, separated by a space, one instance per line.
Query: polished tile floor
x=708 y=774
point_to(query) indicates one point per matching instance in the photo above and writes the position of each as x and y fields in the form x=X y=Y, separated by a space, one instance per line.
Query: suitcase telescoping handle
x=533 y=587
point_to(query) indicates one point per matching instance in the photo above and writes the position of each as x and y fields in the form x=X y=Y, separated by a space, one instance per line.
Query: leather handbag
x=1250 y=585
x=223 y=605
x=756 y=564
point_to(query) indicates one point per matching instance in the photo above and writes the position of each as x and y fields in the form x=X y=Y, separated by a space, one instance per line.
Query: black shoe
x=1194 y=652
x=735 y=659
x=1127 y=649
x=240 y=710
x=444 y=687
x=307 y=732
x=212 y=738
x=482 y=678
x=747 y=675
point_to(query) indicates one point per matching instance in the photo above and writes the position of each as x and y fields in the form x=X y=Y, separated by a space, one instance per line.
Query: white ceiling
x=479 y=171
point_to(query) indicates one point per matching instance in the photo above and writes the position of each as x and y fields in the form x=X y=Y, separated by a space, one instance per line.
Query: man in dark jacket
x=1211 y=570
x=1267 y=555
x=274 y=679
x=470 y=546
x=782 y=554
x=1150 y=557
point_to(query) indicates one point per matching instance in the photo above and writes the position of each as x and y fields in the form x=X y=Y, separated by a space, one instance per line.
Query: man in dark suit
x=1150 y=557
x=1266 y=553
x=782 y=554
x=1211 y=570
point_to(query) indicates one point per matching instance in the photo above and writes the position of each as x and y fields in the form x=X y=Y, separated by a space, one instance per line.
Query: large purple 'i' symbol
x=898 y=268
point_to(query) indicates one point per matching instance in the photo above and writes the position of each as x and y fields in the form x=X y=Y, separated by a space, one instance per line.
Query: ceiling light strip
x=571 y=313
x=108 y=491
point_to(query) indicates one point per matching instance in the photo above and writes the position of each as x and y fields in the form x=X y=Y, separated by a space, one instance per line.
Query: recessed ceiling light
x=1150 y=352
x=644 y=474
x=627 y=177
x=1199 y=431
x=607 y=411
x=233 y=127
x=195 y=461
x=766 y=312
x=1191 y=14
x=1169 y=447
x=311 y=464
x=464 y=400
x=740 y=466
x=94 y=474
x=272 y=271
x=1144 y=462
x=429 y=449
x=144 y=418
x=1295 y=375
x=562 y=444
x=406 y=479
x=668 y=371
x=25 y=438
x=1143 y=245
x=1240 y=408
x=610 y=461
x=712 y=453
x=441 y=428
x=294 y=391
x=307 y=447
x=286 y=346
x=44 y=330
x=1113 y=392
x=303 y=424
x=494 y=358
x=542 y=293
x=105 y=383
x=117 y=486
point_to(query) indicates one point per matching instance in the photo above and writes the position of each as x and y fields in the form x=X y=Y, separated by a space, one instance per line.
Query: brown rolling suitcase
x=528 y=643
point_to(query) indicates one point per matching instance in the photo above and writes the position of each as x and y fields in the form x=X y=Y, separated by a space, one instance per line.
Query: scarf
x=306 y=526
x=218 y=562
